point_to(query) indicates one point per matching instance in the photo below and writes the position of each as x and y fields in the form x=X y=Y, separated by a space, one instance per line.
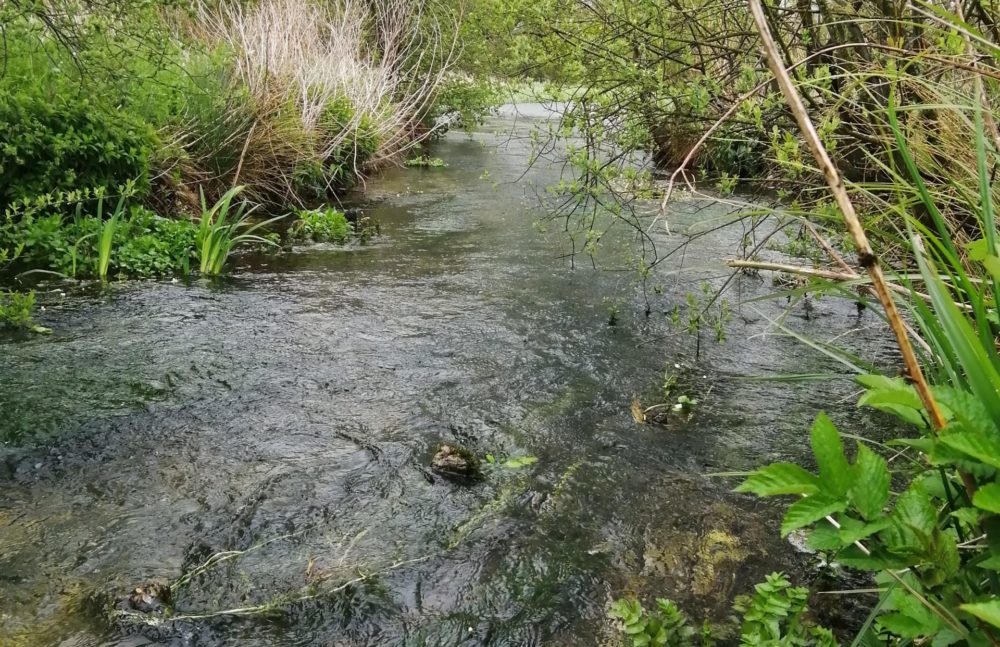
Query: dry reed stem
x=386 y=58
x=866 y=257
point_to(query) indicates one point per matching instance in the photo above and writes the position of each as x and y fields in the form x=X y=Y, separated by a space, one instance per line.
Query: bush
x=53 y=143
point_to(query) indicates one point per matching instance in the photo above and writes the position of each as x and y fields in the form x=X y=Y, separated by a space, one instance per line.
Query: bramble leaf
x=870 y=491
x=987 y=497
x=985 y=611
x=975 y=444
x=834 y=471
x=810 y=510
x=780 y=478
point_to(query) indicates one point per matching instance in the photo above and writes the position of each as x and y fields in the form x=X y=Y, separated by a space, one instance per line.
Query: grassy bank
x=125 y=124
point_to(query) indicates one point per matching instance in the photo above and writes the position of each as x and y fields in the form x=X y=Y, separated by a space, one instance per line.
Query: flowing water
x=290 y=412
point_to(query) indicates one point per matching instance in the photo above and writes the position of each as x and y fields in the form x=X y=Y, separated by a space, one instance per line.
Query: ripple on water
x=291 y=411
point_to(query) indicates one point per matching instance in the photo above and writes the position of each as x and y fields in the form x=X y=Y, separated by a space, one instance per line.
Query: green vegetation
x=190 y=121
x=775 y=614
x=15 y=309
x=932 y=545
x=323 y=225
x=160 y=108
x=423 y=161
x=219 y=232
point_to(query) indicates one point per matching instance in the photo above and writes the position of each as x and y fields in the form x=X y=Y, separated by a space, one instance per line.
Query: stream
x=289 y=413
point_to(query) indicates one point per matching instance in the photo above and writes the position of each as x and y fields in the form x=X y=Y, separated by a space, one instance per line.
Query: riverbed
x=288 y=414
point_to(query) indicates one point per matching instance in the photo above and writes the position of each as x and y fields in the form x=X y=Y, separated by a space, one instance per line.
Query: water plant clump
x=324 y=224
x=775 y=614
x=219 y=232
x=17 y=311
x=424 y=161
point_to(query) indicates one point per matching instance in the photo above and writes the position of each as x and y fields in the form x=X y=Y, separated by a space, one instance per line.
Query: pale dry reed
x=385 y=58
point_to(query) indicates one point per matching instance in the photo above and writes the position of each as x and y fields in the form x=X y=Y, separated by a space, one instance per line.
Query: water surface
x=297 y=405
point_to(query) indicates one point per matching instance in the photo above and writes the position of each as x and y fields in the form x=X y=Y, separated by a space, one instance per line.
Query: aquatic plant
x=218 y=233
x=775 y=614
x=16 y=309
x=665 y=626
x=423 y=161
x=323 y=224
x=106 y=237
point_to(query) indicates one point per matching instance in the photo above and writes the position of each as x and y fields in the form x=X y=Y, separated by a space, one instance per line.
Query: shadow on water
x=292 y=411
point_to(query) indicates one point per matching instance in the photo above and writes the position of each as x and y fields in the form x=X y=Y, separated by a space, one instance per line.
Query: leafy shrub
x=321 y=225
x=471 y=98
x=52 y=143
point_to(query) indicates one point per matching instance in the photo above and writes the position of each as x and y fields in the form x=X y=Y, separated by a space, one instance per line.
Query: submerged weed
x=424 y=161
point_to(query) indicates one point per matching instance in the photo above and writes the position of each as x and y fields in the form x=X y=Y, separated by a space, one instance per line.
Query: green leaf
x=914 y=521
x=825 y=537
x=870 y=491
x=780 y=478
x=520 y=461
x=975 y=444
x=985 y=611
x=834 y=471
x=987 y=498
x=809 y=510
x=853 y=530
x=894 y=396
x=968 y=516
x=904 y=626
x=978 y=249
x=992 y=265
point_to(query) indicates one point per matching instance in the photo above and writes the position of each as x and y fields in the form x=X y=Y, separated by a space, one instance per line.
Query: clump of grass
x=329 y=89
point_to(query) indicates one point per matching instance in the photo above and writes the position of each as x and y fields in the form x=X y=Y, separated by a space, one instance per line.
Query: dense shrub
x=60 y=143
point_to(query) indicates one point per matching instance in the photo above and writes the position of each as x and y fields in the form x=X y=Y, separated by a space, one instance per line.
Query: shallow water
x=299 y=402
